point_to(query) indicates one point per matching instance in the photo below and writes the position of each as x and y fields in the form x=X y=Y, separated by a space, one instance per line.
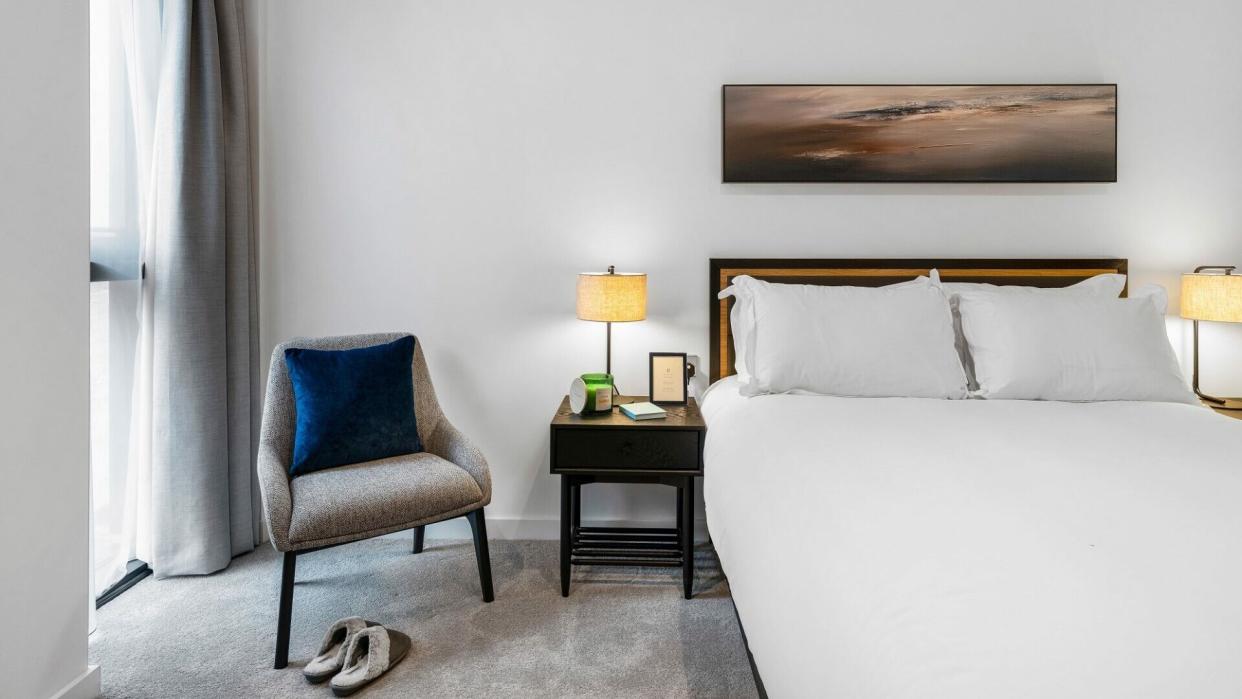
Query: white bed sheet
x=903 y=547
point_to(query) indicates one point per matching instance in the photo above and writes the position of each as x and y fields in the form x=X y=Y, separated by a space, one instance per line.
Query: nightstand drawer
x=626 y=449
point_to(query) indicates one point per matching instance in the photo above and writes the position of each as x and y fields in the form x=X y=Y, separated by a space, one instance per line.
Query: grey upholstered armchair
x=359 y=501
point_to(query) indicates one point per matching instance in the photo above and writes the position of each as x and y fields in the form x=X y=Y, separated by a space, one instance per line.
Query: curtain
x=124 y=73
x=196 y=409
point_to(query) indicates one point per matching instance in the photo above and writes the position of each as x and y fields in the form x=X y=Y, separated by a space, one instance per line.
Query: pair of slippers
x=354 y=653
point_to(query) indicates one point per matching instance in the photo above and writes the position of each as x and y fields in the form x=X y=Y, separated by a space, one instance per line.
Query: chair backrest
x=280 y=413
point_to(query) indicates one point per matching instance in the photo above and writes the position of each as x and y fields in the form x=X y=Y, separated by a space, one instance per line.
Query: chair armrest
x=277 y=503
x=448 y=443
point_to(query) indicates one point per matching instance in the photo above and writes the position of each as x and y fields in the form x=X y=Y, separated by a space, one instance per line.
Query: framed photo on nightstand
x=666 y=373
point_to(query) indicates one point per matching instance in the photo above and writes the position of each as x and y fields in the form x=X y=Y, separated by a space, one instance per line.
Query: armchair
x=350 y=503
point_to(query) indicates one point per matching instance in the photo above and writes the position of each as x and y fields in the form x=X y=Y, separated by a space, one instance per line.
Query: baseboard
x=523 y=528
x=85 y=686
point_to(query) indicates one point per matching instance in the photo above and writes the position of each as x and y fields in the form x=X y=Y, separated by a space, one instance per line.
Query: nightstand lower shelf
x=621 y=546
x=671 y=547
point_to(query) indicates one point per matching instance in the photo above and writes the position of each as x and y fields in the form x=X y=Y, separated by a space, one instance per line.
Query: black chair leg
x=478 y=525
x=418 y=539
x=286 y=610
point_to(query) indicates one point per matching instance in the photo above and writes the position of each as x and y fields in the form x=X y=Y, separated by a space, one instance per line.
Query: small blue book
x=643 y=411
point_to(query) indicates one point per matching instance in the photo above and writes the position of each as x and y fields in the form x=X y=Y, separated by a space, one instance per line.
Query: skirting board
x=85 y=686
x=519 y=528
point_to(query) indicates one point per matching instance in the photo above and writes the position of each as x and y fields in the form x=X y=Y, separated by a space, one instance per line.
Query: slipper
x=331 y=657
x=372 y=652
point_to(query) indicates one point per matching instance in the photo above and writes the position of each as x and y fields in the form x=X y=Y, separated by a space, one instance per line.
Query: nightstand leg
x=687 y=535
x=575 y=505
x=565 y=542
x=680 y=495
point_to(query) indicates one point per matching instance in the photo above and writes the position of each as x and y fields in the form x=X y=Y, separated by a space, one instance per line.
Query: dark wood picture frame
x=726 y=178
x=685 y=377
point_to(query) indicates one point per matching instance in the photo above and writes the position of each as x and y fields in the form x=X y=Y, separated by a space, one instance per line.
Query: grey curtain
x=200 y=264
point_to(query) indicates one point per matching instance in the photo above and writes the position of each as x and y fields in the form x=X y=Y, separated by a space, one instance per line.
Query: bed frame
x=878 y=272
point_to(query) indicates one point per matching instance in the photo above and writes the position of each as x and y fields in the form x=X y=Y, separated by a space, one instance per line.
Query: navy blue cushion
x=353 y=405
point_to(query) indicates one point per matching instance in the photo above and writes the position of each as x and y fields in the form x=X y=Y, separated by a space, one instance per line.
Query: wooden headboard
x=1046 y=273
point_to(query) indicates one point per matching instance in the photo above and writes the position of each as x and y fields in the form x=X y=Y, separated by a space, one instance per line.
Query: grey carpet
x=622 y=632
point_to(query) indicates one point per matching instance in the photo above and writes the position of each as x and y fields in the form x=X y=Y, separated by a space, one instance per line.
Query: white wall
x=448 y=167
x=44 y=275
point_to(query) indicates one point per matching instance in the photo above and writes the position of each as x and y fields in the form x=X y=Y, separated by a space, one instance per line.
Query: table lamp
x=609 y=297
x=1212 y=293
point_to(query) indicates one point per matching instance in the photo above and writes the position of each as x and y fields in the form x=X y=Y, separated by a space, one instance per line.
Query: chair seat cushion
x=365 y=499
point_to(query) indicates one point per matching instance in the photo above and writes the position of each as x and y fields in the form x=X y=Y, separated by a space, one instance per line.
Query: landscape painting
x=920 y=133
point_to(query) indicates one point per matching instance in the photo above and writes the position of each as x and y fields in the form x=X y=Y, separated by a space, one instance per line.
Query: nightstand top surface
x=680 y=417
x=1235 y=414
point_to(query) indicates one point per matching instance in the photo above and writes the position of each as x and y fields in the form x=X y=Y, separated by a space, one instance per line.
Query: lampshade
x=1212 y=297
x=609 y=297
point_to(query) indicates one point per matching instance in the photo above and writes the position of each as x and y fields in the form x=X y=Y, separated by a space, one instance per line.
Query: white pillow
x=1156 y=294
x=742 y=326
x=1100 y=285
x=742 y=321
x=847 y=340
x=1106 y=285
x=1071 y=347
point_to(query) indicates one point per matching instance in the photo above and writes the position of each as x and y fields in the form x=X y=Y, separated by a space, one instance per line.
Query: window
x=119 y=146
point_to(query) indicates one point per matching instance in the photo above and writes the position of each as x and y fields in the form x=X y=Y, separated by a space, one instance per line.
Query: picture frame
x=919 y=133
x=668 y=378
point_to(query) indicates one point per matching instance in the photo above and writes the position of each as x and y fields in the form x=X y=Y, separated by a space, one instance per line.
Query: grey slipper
x=331 y=657
x=372 y=652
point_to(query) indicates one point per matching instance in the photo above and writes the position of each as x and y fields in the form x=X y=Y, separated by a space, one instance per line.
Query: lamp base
x=1221 y=403
x=1210 y=401
x=618 y=399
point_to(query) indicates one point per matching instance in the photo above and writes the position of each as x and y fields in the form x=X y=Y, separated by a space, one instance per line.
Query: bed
x=904 y=547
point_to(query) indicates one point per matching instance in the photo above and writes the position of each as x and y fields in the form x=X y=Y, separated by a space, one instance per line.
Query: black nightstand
x=611 y=448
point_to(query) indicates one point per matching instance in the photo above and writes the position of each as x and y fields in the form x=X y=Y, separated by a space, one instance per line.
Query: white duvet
x=903 y=547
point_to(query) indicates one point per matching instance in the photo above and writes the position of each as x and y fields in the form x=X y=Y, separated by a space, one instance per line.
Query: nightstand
x=611 y=448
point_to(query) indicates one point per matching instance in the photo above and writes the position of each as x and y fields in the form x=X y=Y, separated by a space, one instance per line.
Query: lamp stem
x=1194 y=324
x=612 y=269
x=1194 y=380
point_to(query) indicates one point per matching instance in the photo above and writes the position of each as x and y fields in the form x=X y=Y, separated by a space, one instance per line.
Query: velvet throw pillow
x=352 y=405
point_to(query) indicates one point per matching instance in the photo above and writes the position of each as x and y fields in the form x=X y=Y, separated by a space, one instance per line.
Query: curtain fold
x=196 y=403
